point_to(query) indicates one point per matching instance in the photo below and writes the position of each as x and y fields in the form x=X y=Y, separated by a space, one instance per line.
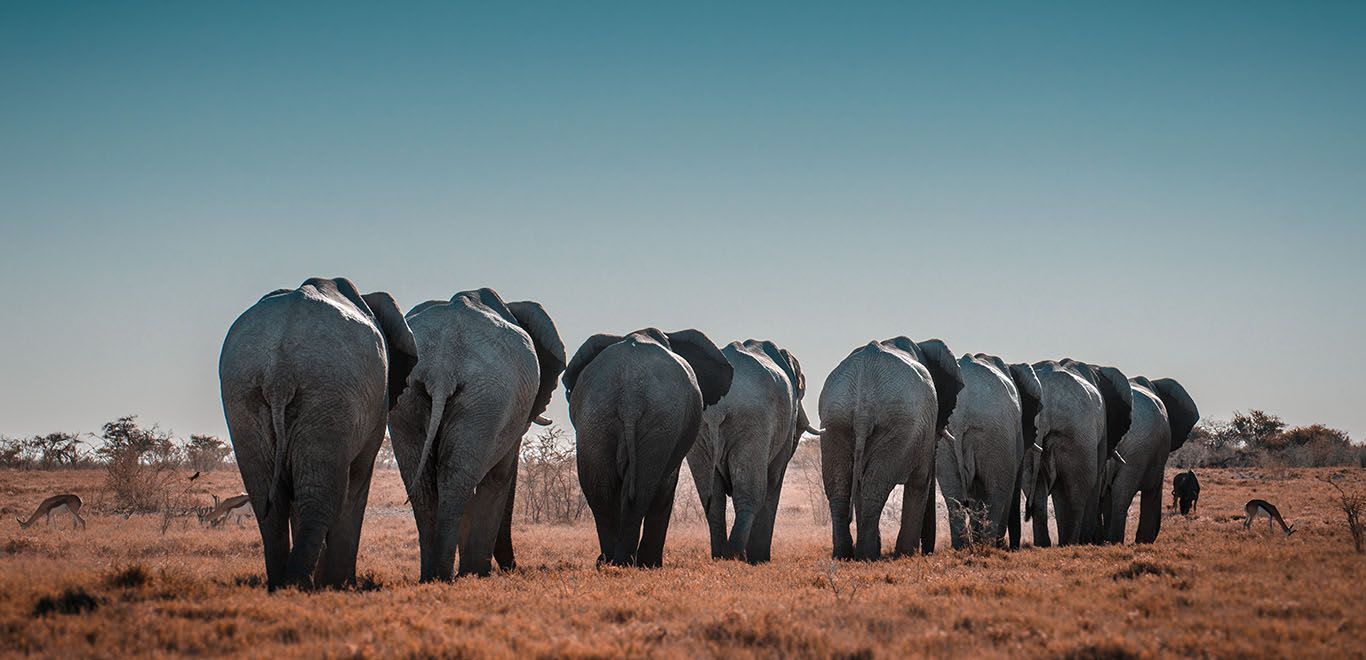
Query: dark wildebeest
x=1185 y=492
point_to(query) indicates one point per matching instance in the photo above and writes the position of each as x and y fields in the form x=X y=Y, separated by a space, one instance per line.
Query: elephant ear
x=800 y=382
x=276 y=293
x=1031 y=399
x=711 y=367
x=589 y=350
x=1119 y=403
x=784 y=361
x=549 y=349
x=398 y=341
x=1181 y=411
x=947 y=375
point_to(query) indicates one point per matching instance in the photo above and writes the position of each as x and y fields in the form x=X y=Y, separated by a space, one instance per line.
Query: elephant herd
x=312 y=377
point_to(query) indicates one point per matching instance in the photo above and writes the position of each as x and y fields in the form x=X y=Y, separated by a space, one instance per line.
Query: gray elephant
x=308 y=376
x=978 y=460
x=1163 y=416
x=744 y=445
x=636 y=404
x=487 y=371
x=1084 y=412
x=883 y=408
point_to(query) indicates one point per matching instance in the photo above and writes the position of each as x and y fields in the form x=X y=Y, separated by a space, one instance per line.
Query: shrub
x=547 y=481
x=141 y=465
x=1352 y=504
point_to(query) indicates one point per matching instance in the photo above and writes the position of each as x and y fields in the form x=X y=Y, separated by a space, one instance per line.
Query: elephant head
x=1118 y=396
x=789 y=364
x=709 y=366
x=935 y=355
x=1182 y=414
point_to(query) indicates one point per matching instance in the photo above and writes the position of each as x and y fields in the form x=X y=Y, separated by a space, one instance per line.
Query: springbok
x=238 y=506
x=67 y=503
x=1256 y=508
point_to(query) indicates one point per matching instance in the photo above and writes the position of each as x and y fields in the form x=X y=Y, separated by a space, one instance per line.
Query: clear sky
x=1177 y=189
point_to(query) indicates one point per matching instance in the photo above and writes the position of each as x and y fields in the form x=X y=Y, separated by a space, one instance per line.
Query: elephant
x=308 y=377
x=744 y=445
x=488 y=370
x=1163 y=416
x=636 y=404
x=1067 y=452
x=978 y=460
x=883 y=408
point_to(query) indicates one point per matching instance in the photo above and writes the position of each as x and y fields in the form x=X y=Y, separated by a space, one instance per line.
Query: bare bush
x=547 y=482
x=141 y=465
x=1352 y=504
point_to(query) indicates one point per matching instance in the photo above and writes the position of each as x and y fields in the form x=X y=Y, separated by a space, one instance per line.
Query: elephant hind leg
x=337 y=566
x=483 y=517
x=275 y=543
x=651 y=554
x=1149 y=515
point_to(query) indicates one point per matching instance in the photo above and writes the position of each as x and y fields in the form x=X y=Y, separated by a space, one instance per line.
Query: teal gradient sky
x=1177 y=189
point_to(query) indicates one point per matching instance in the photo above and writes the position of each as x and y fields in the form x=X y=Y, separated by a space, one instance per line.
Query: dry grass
x=1206 y=588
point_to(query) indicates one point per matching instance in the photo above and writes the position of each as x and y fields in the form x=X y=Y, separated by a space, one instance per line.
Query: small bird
x=194 y=476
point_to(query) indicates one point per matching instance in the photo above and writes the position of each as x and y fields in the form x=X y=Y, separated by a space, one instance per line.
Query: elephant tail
x=626 y=460
x=433 y=425
x=861 y=433
x=277 y=404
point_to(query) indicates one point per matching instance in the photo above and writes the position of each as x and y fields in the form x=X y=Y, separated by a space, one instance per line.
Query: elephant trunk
x=433 y=426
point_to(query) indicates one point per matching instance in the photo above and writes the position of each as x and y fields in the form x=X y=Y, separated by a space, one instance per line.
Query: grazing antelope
x=1256 y=508
x=67 y=503
x=1185 y=492
x=238 y=506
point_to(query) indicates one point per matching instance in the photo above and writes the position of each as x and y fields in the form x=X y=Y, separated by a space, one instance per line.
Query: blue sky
x=1177 y=189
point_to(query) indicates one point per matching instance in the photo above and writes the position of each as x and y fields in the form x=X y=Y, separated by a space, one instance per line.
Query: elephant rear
x=305 y=378
x=881 y=410
x=636 y=403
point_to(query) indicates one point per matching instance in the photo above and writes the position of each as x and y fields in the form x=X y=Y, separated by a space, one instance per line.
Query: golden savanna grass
x=1207 y=588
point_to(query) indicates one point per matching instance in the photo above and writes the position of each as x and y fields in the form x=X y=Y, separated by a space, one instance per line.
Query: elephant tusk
x=1119 y=456
x=813 y=431
x=542 y=421
x=1038 y=447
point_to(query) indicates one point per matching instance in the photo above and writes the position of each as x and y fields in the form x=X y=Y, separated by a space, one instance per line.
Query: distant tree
x=55 y=450
x=123 y=438
x=206 y=452
x=12 y=452
x=1256 y=429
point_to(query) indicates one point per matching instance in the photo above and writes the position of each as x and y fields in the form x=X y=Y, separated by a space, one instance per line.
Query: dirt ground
x=148 y=585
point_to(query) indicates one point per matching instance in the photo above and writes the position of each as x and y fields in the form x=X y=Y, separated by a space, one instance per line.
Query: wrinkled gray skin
x=978 y=461
x=636 y=404
x=488 y=369
x=1076 y=428
x=744 y=445
x=307 y=376
x=882 y=409
x=1163 y=416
